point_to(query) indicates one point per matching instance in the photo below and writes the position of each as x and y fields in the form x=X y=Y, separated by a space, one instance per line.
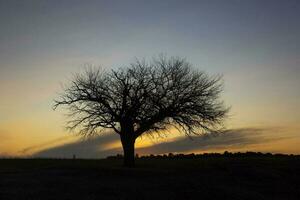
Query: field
x=198 y=178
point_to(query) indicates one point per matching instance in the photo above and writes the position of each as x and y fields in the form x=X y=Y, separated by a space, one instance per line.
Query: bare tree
x=144 y=98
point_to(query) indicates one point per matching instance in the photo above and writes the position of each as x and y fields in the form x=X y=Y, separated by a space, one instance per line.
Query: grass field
x=198 y=178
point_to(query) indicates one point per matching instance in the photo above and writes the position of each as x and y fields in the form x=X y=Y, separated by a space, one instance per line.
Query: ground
x=180 y=178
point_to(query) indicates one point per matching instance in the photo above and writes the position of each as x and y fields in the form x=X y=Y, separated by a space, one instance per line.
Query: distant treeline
x=205 y=155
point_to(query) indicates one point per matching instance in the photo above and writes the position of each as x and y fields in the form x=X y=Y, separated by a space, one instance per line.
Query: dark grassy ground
x=199 y=178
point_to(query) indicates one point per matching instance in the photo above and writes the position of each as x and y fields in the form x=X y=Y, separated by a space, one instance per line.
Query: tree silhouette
x=144 y=98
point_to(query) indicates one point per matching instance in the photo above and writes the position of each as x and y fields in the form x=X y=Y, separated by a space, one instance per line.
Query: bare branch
x=145 y=97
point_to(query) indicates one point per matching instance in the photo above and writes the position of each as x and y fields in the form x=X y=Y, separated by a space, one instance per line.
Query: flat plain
x=232 y=178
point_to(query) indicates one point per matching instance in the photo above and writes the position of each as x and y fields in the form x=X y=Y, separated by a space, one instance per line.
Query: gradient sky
x=254 y=44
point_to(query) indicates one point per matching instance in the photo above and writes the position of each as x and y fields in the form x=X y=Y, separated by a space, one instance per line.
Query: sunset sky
x=254 y=44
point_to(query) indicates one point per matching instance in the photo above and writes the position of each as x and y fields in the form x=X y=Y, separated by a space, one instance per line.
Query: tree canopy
x=144 y=97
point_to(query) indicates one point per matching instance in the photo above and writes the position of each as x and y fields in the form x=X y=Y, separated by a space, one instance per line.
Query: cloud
x=43 y=145
x=234 y=138
x=89 y=148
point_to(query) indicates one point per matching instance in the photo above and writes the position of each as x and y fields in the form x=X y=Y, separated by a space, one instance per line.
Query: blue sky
x=254 y=44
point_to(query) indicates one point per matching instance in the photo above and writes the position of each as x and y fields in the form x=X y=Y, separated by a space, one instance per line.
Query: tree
x=144 y=98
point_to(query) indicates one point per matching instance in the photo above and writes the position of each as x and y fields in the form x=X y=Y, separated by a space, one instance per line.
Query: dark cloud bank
x=94 y=148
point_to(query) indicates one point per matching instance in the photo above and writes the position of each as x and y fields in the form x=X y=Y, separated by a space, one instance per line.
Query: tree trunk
x=128 y=149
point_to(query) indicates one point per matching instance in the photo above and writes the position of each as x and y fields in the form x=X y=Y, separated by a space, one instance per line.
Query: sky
x=254 y=44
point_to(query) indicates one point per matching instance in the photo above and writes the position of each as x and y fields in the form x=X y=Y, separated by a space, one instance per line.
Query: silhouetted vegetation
x=208 y=155
x=144 y=98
